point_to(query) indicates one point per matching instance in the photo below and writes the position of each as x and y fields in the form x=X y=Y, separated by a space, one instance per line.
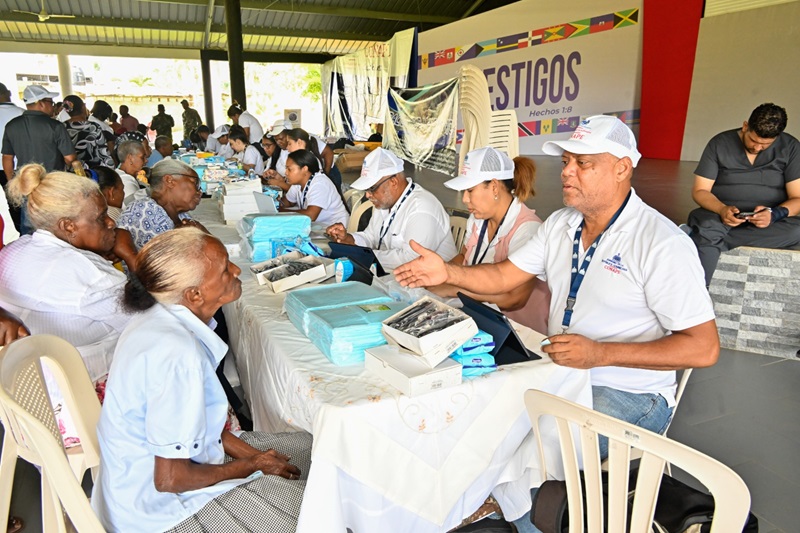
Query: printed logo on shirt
x=614 y=264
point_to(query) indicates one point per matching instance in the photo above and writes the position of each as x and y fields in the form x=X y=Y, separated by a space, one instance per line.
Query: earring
x=496 y=197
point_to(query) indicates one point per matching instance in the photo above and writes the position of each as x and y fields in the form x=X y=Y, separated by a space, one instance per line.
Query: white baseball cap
x=598 y=135
x=221 y=131
x=279 y=126
x=34 y=93
x=378 y=164
x=483 y=164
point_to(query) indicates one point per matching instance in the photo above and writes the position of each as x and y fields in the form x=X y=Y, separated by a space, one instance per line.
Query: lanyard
x=385 y=230
x=578 y=275
x=475 y=259
x=305 y=192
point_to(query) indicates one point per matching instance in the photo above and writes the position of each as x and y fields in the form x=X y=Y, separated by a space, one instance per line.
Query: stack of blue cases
x=300 y=302
x=343 y=333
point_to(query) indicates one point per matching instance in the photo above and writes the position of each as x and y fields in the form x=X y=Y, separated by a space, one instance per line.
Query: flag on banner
x=528 y=129
x=601 y=23
x=469 y=53
x=423 y=61
x=563 y=126
x=556 y=33
x=626 y=18
x=459 y=136
x=459 y=52
x=438 y=58
x=546 y=127
x=486 y=48
x=579 y=28
x=449 y=56
x=537 y=36
x=573 y=123
x=511 y=42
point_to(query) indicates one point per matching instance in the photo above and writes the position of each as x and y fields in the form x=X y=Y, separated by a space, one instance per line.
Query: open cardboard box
x=323 y=269
x=406 y=372
x=435 y=347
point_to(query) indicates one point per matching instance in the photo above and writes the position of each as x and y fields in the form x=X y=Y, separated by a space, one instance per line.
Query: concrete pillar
x=64 y=75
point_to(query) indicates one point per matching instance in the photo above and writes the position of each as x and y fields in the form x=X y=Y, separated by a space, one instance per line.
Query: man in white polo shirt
x=629 y=299
x=403 y=212
x=642 y=310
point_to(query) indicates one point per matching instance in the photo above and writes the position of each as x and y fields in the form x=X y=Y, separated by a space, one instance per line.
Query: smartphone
x=745 y=214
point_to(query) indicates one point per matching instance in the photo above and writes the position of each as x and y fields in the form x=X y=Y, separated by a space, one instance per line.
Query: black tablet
x=360 y=254
x=508 y=348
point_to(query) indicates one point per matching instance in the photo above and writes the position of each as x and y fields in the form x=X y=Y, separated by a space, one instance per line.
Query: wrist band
x=779 y=213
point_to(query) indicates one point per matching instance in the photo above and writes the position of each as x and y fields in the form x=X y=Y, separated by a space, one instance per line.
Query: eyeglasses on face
x=374 y=188
x=194 y=179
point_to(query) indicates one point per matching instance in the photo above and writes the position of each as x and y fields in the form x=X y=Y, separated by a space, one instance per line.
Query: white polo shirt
x=321 y=193
x=251 y=156
x=420 y=217
x=644 y=281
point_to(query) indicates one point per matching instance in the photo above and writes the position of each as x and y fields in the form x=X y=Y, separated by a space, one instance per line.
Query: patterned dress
x=90 y=143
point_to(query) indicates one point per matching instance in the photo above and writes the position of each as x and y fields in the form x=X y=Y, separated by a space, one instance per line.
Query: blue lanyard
x=305 y=193
x=578 y=275
x=385 y=229
x=475 y=259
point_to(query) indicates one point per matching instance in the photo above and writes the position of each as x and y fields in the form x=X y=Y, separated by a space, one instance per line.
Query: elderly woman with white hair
x=174 y=191
x=166 y=461
x=132 y=158
x=57 y=280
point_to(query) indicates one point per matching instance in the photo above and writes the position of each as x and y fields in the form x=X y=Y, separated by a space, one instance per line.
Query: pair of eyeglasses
x=194 y=179
x=48 y=101
x=374 y=188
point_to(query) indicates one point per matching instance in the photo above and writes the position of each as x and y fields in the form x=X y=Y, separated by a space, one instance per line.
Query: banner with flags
x=581 y=58
x=420 y=125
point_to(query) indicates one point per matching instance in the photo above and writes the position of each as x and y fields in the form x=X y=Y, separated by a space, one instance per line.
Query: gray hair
x=167 y=167
x=52 y=196
x=166 y=266
x=127 y=148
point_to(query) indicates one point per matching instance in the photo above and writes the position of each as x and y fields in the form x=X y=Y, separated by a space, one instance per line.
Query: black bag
x=679 y=508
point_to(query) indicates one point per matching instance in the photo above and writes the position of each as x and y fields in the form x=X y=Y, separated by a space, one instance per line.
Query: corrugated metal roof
x=299 y=26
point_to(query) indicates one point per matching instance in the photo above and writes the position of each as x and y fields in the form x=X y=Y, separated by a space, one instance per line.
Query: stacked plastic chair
x=482 y=126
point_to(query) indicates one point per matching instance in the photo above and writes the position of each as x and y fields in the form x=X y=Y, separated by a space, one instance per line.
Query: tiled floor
x=744 y=411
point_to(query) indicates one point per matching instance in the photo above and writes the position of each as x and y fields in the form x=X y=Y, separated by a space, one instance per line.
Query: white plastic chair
x=355 y=216
x=576 y=423
x=23 y=390
x=458 y=228
x=353 y=197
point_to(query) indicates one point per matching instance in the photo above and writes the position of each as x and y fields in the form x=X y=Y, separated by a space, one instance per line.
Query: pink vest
x=536 y=312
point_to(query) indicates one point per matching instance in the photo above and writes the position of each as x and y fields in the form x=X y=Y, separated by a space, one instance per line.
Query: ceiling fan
x=44 y=15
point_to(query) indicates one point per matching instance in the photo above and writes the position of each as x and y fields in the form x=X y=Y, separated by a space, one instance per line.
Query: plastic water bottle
x=251 y=174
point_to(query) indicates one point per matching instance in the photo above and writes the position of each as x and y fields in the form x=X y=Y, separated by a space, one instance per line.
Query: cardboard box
x=434 y=347
x=408 y=373
x=323 y=269
x=260 y=268
x=351 y=160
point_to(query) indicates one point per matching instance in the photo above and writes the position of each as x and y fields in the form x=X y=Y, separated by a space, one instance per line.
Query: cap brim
x=462 y=183
x=575 y=147
x=363 y=183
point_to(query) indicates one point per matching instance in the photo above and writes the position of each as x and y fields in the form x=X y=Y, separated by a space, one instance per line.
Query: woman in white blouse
x=311 y=192
x=494 y=190
x=57 y=280
x=166 y=461
x=244 y=152
x=250 y=124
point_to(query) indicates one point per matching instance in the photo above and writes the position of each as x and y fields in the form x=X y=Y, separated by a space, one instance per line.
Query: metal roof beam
x=335 y=11
x=194 y=27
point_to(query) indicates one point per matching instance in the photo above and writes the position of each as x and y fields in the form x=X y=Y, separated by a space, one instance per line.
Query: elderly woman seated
x=174 y=191
x=57 y=280
x=132 y=157
x=166 y=461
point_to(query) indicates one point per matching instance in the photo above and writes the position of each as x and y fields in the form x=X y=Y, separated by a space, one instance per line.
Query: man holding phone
x=747 y=187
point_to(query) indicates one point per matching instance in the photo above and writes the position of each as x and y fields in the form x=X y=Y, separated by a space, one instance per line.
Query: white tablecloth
x=383 y=461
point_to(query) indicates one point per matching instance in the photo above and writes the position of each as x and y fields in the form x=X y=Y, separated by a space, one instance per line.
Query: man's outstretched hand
x=426 y=270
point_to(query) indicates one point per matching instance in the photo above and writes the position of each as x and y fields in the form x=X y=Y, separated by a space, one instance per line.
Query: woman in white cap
x=218 y=142
x=495 y=189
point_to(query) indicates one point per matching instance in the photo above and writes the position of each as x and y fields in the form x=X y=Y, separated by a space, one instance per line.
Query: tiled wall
x=756 y=293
